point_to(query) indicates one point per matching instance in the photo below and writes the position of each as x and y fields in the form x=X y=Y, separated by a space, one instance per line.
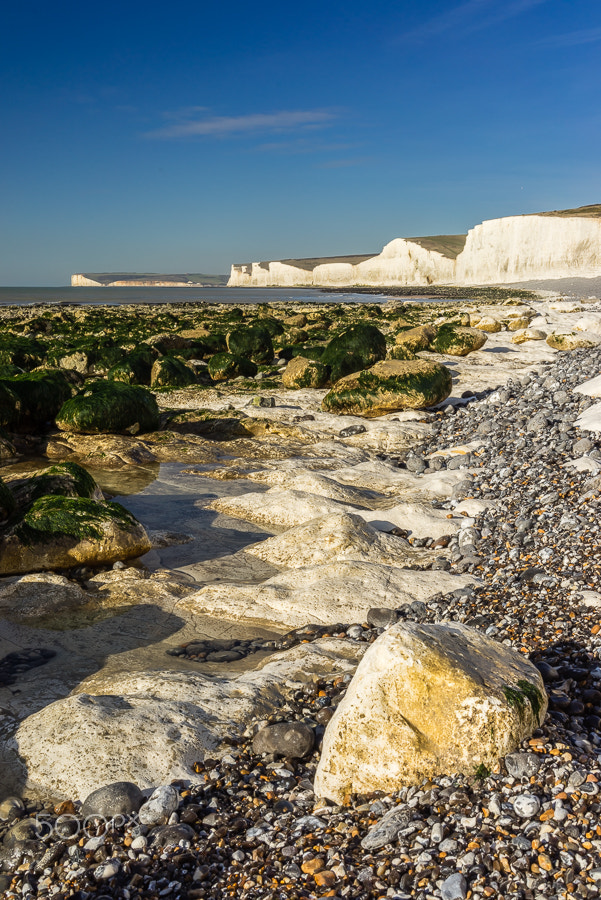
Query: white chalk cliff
x=499 y=251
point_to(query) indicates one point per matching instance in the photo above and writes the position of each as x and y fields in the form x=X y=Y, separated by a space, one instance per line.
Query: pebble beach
x=520 y=448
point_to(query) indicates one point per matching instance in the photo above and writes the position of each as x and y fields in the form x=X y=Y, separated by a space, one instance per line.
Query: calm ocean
x=118 y=296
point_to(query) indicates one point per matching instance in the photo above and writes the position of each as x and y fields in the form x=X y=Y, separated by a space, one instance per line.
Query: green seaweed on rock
x=67 y=479
x=74 y=517
x=30 y=402
x=110 y=407
x=252 y=343
x=224 y=366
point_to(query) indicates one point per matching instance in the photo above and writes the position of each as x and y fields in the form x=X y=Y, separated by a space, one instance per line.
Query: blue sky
x=182 y=137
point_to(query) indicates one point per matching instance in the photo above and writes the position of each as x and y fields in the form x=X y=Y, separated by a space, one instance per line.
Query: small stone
x=522 y=765
x=159 y=807
x=119 y=798
x=454 y=887
x=326 y=878
x=380 y=617
x=293 y=739
x=107 y=869
x=312 y=866
x=351 y=430
x=526 y=806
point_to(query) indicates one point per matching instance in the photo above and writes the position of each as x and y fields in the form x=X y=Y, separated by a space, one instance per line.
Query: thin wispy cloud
x=471 y=16
x=571 y=38
x=252 y=124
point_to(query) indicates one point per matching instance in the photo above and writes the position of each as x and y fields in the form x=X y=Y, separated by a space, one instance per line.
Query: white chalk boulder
x=342 y=591
x=340 y=536
x=151 y=727
x=284 y=509
x=428 y=700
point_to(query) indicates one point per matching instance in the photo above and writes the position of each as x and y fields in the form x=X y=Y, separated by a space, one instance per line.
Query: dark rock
x=122 y=798
x=381 y=617
x=293 y=739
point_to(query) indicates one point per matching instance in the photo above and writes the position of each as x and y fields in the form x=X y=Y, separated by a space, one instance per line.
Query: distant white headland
x=135 y=279
x=558 y=244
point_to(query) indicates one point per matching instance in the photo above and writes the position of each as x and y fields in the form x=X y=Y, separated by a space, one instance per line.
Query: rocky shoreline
x=510 y=478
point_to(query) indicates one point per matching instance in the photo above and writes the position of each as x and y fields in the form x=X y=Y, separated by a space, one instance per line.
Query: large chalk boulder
x=340 y=536
x=151 y=727
x=284 y=509
x=340 y=591
x=389 y=386
x=428 y=700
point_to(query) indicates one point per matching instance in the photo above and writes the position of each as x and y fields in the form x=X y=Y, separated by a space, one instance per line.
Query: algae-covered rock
x=30 y=402
x=27 y=353
x=110 y=407
x=457 y=341
x=308 y=351
x=428 y=700
x=415 y=339
x=7 y=501
x=136 y=368
x=270 y=324
x=305 y=373
x=58 y=532
x=163 y=343
x=398 y=351
x=224 y=366
x=389 y=386
x=252 y=343
x=574 y=340
x=343 y=363
x=65 y=479
x=168 y=371
x=359 y=347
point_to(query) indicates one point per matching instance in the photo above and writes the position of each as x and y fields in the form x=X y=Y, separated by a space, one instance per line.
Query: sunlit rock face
x=499 y=251
x=521 y=248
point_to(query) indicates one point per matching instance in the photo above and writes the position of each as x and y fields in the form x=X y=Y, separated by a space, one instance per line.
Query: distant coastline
x=146 y=279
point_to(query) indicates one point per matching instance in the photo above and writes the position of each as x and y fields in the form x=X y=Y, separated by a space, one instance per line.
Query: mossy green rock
x=109 y=407
x=270 y=324
x=59 y=532
x=252 y=343
x=455 y=340
x=168 y=371
x=135 y=369
x=30 y=402
x=224 y=366
x=398 y=351
x=305 y=373
x=16 y=350
x=7 y=501
x=66 y=479
x=359 y=347
x=389 y=386
x=343 y=363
